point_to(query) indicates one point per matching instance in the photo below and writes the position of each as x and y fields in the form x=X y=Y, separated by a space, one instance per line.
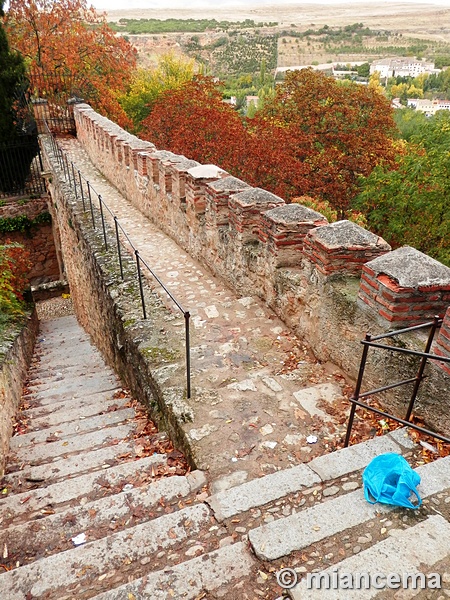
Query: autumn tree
x=328 y=132
x=193 y=120
x=69 y=40
x=147 y=84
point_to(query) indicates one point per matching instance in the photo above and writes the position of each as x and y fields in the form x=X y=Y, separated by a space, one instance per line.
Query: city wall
x=331 y=283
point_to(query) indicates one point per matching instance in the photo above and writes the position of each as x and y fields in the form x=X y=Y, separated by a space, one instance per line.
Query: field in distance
x=415 y=20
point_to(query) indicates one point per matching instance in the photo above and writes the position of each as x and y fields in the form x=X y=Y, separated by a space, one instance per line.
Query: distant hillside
x=237 y=48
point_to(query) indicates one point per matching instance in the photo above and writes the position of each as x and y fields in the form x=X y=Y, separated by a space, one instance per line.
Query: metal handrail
x=69 y=175
x=368 y=342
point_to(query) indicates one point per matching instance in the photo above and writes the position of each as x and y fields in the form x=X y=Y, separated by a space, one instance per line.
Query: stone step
x=116 y=512
x=30 y=503
x=43 y=370
x=258 y=492
x=271 y=487
x=190 y=580
x=63 y=468
x=71 y=428
x=71 y=409
x=40 y=453
x=413 y=550
x=75 y=388
x=40 y=382
x=298 y=531
x=60 y=354
x=73 y=570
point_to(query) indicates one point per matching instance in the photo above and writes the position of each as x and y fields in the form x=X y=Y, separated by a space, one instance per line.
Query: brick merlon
x=411 y=269
x=294 y=214
x=345 y=234
x=257 y=197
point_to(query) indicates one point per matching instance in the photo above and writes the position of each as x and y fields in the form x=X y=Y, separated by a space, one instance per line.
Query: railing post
x=74 y=180
x=103 y=221
x=90 y=203
x=60 y=156
x=67 y=168
x=141 y=289
x=355 y=395
x=187 y=317
x=118 y=246
x=40 y=159
x=421 y=369
x=82 y=191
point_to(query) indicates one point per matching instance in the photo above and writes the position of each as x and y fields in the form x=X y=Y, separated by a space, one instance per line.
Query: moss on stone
x=159 y=355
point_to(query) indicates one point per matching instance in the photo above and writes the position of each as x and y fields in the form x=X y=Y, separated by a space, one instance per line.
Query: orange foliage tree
x=69 y=40
x=194 y=121
x=328 y=132
x=315 y=138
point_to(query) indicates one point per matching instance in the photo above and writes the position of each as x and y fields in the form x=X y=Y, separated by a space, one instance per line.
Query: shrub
x=14 y=267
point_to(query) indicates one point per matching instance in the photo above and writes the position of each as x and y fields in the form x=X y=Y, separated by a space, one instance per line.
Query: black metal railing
x=20 y=168
x=371 y=342
x=52 y=95
x=89 y=198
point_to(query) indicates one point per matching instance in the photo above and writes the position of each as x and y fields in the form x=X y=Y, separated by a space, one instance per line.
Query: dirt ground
x=416 y=20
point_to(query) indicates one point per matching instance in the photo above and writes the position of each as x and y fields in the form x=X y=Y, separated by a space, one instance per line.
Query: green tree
x=251 y=110
x=12 y=73
x=411 y=203
x=147 y=85
x=363 y=70
x=409 y=121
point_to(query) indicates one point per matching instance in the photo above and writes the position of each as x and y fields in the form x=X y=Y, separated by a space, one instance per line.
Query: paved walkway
x=263 y=393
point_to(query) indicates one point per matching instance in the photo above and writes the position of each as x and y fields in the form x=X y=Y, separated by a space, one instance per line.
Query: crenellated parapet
x=330 y=282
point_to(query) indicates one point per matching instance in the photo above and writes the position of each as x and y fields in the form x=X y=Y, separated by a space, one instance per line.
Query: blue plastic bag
x=389 y=479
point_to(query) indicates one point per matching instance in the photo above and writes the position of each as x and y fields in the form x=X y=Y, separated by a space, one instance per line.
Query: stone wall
x=15 y=356
x=38 y=239
x=147 y=354
x=331 y=283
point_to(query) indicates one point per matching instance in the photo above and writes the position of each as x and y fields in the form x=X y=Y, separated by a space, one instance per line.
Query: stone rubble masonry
x=442 y=345
x=284 y=229
x=15 y=358
x=195 y=198
x=246 y=209
x=39 y=241
x=406 y=287
x=323 y=280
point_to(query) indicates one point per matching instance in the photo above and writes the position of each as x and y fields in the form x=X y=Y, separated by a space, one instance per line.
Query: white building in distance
x=429 y=107
x=401 y=67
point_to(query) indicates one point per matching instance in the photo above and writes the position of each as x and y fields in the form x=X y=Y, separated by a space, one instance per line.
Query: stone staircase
x=87 y=513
